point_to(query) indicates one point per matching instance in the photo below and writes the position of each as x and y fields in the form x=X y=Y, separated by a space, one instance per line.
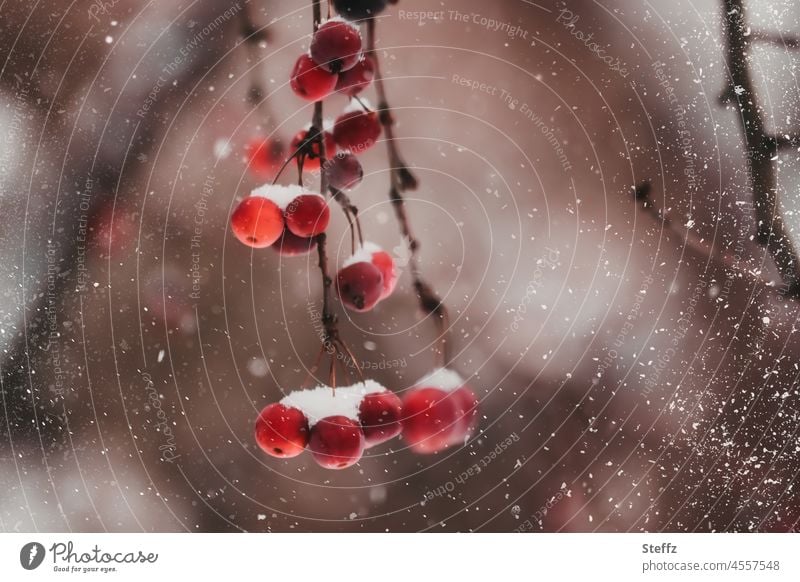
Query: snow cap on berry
x=363 y=254
x=282 y=196
x=358 y=105
x=338 y=18
x=443 y=379
x=327 y=125
x=318 y=403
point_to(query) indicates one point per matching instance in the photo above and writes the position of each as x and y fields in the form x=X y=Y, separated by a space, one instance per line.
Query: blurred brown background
x=643 y=384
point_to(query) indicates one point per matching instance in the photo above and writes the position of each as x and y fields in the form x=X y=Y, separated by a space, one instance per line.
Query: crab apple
x=310 y=81
x=359 y=286
x=379 y=414
x=257 y=222
x=337 y=442
x=264 y=156
x=343 y=171
x=357 y=131
x=336 y=46
x=291 y=245
x=282 y=431
x=384 y=262
x=429 y=416
x=311 y=161
x=355 y=80
x=466 y=414
x=307 y=215
x=359 y=9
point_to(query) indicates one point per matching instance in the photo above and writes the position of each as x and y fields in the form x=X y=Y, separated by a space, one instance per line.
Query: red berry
x=310 y=81
x=379 y=414
x=357 y=131
x=359 y=286
x=429 y=417
x=307 y=215
x=257 y=222
x=466 y=414
x=291 y=245
x=264 y=156
x=311 y=161
x=344 y=171
x=355 y=80
x=336 y=46
x=282 y=431
x=359 y=9
x=336 y=442
x=384 y=262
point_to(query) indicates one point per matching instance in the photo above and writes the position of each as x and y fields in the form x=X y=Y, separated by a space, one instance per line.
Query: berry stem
x=351 y=212
x=401 y=180
x=331 y=342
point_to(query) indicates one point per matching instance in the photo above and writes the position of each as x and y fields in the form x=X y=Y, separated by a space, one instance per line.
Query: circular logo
x=31 y=555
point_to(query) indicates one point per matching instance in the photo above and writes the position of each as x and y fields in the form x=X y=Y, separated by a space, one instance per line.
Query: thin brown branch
x=643 y=193
x=781 y=40
x=761 y=150
x=402 y=180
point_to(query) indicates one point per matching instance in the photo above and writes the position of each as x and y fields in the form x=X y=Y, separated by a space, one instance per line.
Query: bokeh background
x=632 y=376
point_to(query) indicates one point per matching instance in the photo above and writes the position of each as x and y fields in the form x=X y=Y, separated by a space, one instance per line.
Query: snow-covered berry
x=307 y=215
x=257 y=222
x=282 y=431
x=336 y=45
x=379 y=413
x=354 y=81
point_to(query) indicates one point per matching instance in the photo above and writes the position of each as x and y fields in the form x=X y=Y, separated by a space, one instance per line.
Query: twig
x=761 y=151
x=643 y=193
x=332 y=343
x=403 y=180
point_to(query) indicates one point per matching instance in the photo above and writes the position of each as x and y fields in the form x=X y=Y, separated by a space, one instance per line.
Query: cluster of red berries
x=284 y=217
x=337 y=427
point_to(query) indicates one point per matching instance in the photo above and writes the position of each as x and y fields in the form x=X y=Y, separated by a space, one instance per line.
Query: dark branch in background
x=643 y=193
x=761 y=147
x=403 y=180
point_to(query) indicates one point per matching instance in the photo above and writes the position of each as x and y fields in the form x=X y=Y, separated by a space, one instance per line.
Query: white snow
x=282 y=196
x=338 y=18
x=317 y=403
x=363 y=254
x=443 y=379
x=355 y=105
